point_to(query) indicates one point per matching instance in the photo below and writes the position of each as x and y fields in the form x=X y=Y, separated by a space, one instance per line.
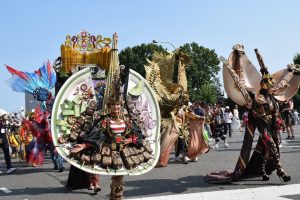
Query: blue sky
x=32 y=31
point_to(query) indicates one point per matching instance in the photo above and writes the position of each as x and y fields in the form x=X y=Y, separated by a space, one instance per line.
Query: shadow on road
x=39 y=191
x=157 y=186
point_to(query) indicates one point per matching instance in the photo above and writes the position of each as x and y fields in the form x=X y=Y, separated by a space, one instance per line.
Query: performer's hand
x=128 y=141
x=77 y=148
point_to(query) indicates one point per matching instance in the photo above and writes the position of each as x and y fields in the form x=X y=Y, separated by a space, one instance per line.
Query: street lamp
x=156 y=42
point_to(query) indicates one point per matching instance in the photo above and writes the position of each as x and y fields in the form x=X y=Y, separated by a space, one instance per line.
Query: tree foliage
x=207 y=93
x=297 y=59
x=135 y=57
x=202 y=70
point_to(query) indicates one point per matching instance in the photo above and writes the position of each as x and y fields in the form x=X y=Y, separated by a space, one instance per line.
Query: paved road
x=185 y=181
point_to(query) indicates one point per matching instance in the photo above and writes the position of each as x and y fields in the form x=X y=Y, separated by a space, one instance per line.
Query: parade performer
x=14 y=134
x=117 y=136
x=39 y=127
x=260 y=94
x=178 y=122
x=38 y=137
x=39 y=83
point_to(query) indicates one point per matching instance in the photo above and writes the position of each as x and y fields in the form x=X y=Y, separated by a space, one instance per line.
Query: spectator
x=296 y=116
x=4 y=144
x=245 y=119
x=208 y=119
x=279 y=126
x=236 y=117
x=288 y=119
x=228 y=120
x=219 y=125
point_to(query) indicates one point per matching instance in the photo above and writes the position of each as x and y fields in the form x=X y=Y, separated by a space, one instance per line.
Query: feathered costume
x=39 y=83
x=173 y=98
x=39 y=127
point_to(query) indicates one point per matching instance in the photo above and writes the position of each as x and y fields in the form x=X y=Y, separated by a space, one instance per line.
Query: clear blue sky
x=32 y=31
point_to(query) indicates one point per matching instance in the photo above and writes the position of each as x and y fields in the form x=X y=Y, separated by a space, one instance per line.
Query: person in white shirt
x=228 y=120
x=236 y=117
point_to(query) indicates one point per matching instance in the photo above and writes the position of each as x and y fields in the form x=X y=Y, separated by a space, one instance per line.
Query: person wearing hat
x=4 y=143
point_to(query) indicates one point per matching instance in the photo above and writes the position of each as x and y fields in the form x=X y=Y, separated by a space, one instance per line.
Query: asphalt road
x=29 y=183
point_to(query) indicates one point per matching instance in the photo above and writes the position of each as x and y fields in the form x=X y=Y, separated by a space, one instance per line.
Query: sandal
x=97 y=188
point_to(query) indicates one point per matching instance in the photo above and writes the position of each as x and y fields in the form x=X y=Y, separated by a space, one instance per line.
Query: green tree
x=297 y=59
x=218 y=86
x=207 y=93
x=202 y=70
x=135 y=57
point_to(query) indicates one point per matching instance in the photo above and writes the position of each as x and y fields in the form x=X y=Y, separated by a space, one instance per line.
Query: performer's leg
x=178 y=148
x=116 y=188
x=5 y=148
x=223 y=137
x=262 y=170
x=229 y=129
x=7 y=157
x=52 y=155
x=94 y=180
x=217 y=140
x=274 y=155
